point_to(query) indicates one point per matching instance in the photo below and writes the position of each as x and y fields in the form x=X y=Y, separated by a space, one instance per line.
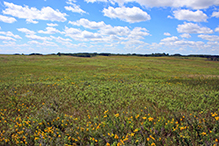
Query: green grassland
x=114 y=100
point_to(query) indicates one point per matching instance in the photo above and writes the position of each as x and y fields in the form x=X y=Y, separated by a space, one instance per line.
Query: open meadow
x=114 y=100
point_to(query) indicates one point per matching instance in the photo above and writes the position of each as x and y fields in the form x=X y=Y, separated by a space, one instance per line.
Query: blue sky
x=114 y=26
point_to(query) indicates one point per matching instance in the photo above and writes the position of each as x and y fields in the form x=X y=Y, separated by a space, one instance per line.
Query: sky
x=112 y=26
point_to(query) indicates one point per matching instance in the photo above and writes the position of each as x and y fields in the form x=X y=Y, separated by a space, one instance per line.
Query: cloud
x=49 y=30
x=92 y=1
x=36 y=37
x=197 y=16
x=90 y=35
x=138 y=33
x=185 y=35
x=192 y=28
x=74 y=8
x=44 y=43
x=88 y=24
x=179 y=44
x=209 y=37
x=10 y=34
x=217 y=29
x=116 y=30
x=51 y=24
x=5 y=38
x=31 y=21
x=106 y=33
x=213 y=44
x=77 y=34
x=194 y=4
x=130 y=15
x=7 y=19
x=31 y=14
x=25 y=30
x=166 y=34
x=60 y=39
x=132 y=42
x=215 y=14
x=169 y=17
x=170 y=39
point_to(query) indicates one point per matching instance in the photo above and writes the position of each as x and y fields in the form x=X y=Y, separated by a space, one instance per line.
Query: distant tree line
x=209 y=57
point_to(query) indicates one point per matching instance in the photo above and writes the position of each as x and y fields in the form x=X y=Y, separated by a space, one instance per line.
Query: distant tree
x=59 y=53
x=176 y=55
x=35 y=54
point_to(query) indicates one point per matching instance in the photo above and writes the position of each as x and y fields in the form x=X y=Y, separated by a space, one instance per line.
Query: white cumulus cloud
x=51 y=24
x=130 y=15
x=217 y=29
x=166 y=34
x=192 y=28
x=138 y=33
x=5 y=38
x=25 y=30
x=7 y=19
x=36 y=37
x=31 y=14
x=10 y=34
x=31 y=21
x=92 y=1
x=185 y=35
x=88 y=24
x=170 y=39
x=74 y=8
x=49 y=30
x=215 y=14
x=209 y=37
x=194 y=4
x=77 y=34
x=44 y=43
x=60 y=39
x=116 y=30
x=197 y=16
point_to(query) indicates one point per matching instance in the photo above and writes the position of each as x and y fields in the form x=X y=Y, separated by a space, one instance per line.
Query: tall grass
x=51 y=100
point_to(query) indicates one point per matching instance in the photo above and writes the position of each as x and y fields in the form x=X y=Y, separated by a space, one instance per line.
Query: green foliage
x=113 y=100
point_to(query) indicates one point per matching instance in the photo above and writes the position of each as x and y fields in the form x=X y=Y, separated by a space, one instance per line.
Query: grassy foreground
x=116 y=100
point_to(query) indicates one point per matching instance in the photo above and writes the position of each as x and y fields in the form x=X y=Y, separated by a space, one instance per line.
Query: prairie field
x=113 y=101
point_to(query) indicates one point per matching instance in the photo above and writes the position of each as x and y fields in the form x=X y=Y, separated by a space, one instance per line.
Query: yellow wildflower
x=152 y=137
x=105 y=111
x=153 y=144
x=116 y=115
x=136 y=130
x=107 y=144
x=216 y=118
x=144 y=118
x=181 y=128
x=150 y=119
x=203 y=133
x=213 y=114
x=136 y=141
x=116 y=136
